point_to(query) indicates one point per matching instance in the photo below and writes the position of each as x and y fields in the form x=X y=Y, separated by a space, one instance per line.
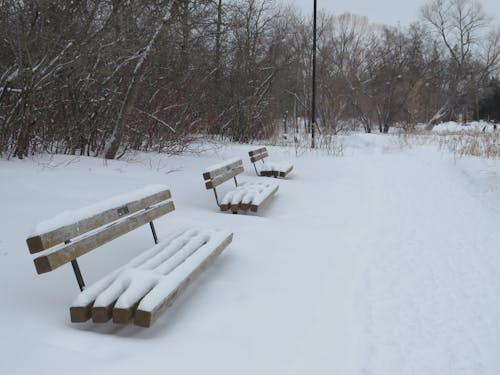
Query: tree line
x=101 y=77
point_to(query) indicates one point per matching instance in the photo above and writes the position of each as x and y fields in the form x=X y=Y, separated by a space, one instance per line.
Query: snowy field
x=385 y=260
x=475 y=126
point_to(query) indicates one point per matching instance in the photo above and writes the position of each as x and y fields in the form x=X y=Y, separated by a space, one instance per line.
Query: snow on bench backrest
x=219 y=173
x=126 y=212
x=258 y=154
x=70 y=224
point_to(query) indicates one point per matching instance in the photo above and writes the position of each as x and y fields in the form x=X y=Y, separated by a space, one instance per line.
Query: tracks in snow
x=427 y=295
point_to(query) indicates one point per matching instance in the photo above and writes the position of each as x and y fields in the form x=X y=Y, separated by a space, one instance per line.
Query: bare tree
x=459 y=25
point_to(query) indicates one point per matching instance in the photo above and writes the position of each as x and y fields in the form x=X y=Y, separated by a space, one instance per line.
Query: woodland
x=103 y=77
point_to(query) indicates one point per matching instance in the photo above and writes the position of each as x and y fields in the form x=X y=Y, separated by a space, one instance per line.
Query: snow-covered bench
x=246 y=196
x=269 y=168
x=146 y=285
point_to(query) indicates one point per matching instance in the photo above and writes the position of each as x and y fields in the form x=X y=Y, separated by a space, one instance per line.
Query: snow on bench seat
x=269 y=168
x=275 y=169
x=149 y=283
x=249 y=195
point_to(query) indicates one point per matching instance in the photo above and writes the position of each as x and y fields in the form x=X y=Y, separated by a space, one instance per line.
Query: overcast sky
x=389 y=12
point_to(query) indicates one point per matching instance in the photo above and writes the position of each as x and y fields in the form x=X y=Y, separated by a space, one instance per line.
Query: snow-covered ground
x=383 y=261
x=474 y=126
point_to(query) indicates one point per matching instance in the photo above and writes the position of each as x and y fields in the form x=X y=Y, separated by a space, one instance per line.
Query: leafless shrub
x=486 y=145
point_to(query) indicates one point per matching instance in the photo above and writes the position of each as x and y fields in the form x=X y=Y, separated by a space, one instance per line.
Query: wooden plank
x=81 y=314
x=257 y=151
x=244 y=206
x=75 y=249
x=285 y=173
x=47 y=240
x=254 y=208
x=223 y=178
x=147 y=318
x=222 y=170
x=256 y=158
x=102 y=314
x=266 y=173
x=235 y=207
x=124 y=316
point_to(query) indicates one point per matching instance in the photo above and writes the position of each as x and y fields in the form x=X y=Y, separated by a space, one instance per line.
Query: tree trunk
x=114 y=143
x=218 y=47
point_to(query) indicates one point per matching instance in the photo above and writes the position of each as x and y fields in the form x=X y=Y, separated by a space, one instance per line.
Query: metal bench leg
x=254 y=167
x=78 y=274
x=153 y=230
x=76 y=270
x=216 y=197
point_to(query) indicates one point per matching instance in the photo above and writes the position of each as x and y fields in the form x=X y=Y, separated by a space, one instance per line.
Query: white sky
x=389 y=12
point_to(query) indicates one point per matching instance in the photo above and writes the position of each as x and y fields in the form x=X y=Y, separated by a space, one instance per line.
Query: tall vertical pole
x=313 y=104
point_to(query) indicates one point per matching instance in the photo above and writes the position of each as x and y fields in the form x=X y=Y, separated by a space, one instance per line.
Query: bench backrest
x=217 y=174
x=117 y=217
x=258 y=154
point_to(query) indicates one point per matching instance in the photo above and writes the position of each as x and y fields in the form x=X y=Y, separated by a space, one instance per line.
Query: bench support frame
x=76 y=270
x=76 y=267
x=78 y=274
x=215 y=191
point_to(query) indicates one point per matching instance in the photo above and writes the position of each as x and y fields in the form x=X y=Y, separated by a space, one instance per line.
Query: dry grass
x=479 y=144
x=301 y=142
x=458 y=143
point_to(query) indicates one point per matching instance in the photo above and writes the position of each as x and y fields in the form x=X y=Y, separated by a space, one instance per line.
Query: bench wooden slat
x=102 y=314
x=256 y=158
x=124 y=316
x=73 y=250
x=214 y=182
x=255 y=208
x=222 y=170
x=47 y=240
x=285 y=173
x=80 y=314
x=277 y=173
x=147 y=318
x=268 y=173
x=257 y=151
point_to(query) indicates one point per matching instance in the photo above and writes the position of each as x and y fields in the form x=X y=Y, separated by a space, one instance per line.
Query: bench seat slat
x=269 y=168
x=250 y=195
x=167 y=291
x=147 y=285
x=272 y=169
x=54 y=237
x=135 y=282
x=75 y=249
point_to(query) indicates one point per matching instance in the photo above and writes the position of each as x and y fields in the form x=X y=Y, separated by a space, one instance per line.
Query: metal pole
x=313 y=104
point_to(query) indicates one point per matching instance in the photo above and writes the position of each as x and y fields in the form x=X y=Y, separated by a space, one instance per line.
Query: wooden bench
x=246 y=196
x=144 y=287
x=269 y=168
